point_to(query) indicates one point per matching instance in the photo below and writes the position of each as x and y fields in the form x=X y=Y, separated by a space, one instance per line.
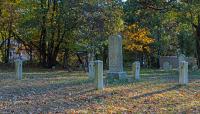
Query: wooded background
x=64 y=32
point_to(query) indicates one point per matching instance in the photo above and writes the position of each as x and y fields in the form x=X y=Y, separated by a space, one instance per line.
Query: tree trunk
x=7 y=50
x=159 y=50
x=198 y=42
x=31 y=53
x=43 y=40
x=49 y=61
x=8 y=44
x=65 y=59
x=105 y=56
x=198 y=51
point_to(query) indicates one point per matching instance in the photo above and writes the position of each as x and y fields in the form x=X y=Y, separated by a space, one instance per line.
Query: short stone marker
x=98 y=66
x=91 y=73
x=166 y=66
x=115 y=57
x=183 y=72
x=181 y=57
x=18 y=68
x=136 y=70
x=194 y=68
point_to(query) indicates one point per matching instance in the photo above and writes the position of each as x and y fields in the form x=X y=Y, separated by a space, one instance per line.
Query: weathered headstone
x=166 y=66
x=116 y=58
x=174 y=61
x=183 y=72
x=98 y=65
x=136 y=70
x=18 y=68
x=90 y=57
x=195 y=67
x=181 y=57
x=53 y=67
x=91 y=73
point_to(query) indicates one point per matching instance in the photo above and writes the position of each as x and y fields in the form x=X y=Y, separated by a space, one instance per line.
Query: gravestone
x=53 y=67
x=181 y=57
x=18 y=68
x=90 y=57
x=91 y=73
x=195 y=68
x=166 y=66
x=174 y=61
x=183 y=72
x=136 y=70
x=98 y=65
x=116 y=58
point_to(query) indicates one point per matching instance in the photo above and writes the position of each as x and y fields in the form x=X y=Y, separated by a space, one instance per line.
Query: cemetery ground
x=69 y=92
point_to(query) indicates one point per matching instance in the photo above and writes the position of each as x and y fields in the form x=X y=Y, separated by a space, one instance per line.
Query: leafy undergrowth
x=61 y=92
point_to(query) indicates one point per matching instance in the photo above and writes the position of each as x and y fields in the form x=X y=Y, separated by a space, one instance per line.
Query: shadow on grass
x=9 y=93
x=41 y=75
x=74 y=92
x=176 y=87
x=117 y=82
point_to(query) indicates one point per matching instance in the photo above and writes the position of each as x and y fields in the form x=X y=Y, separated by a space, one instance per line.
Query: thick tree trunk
x=159 y=50
x=7 y=50
x=43 y=40
x=198 y=42
x=197 y=27
x=65 y=59
x=9 y=37
x=198 y=51
x=52 y=54
x=8 y=44
x=49 y=61
x=105 y=57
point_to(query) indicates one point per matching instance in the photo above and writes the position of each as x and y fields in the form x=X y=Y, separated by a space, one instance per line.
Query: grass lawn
x=62 y=92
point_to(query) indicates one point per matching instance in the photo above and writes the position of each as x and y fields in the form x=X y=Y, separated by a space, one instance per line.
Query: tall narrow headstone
x=98 y=65
x=18 y=68
x=183 y=72
x=116 y=58
x=91 y=73
x=136 y=70
x=90 y=57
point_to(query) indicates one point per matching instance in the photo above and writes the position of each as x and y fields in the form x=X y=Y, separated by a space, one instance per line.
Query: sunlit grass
x=60 y=91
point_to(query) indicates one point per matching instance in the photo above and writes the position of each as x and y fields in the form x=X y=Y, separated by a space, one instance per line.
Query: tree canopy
x=48 y=30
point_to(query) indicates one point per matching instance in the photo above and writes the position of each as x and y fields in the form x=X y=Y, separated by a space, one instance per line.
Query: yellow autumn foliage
x=136 y=39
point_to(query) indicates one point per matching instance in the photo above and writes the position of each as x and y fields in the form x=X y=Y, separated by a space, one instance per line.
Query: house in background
x=17 y=50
